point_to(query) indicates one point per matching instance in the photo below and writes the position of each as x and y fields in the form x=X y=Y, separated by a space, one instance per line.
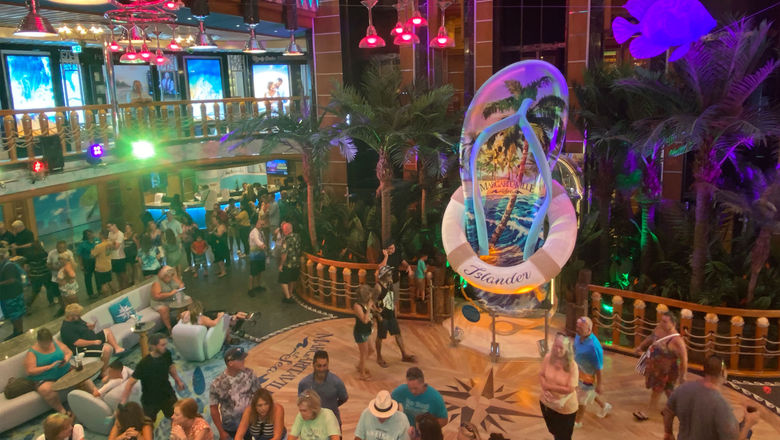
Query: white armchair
x=97 y=414
x=196 y=342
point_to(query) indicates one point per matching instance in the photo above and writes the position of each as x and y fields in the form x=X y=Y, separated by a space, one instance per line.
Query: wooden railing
x=746 y=339
x=332 y=285
x=168 y=121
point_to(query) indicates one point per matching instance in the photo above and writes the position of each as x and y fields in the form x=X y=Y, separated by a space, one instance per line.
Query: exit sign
x=76 y=48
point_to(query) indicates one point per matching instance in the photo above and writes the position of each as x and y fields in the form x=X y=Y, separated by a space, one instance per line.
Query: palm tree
x=390 y=119
x=542 y=116
x=711 y=113
x=302 y=134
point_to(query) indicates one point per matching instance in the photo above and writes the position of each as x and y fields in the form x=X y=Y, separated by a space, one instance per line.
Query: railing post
x=320 y=279
x=333 y=284
x=267 y=108
x=204 y=120
x=310 y=271
x=153 y=126
x=28 y=136
x=617 y=315
x=43 y=121
x=164 y=118
x=429 y=293
x=59 y=119
x=639 y=315
x=191 y=119
x=686 y=322
x=177 y=120
x=89 y=125
x=103 y=125
x=737 y=324
x=9 y=124
x=362 y=276
x=255 y=109
x=76 y=131
x=762 y=328
x=348 y=287
x=242 y=111
x=280 y=104
x=217 y=119
x=595 y=305
x=710 y=329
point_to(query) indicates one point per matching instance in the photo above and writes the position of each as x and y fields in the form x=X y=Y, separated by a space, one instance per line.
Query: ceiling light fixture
x=252 y=45
x=33 y=25
x=442 y=40
x=203 y=40
x=371 y=40
x=292 y=49
x=131 y=56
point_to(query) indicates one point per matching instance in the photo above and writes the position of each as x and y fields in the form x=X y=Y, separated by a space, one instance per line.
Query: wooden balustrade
x=744 y=338
x=171 y=121
x=330 y=285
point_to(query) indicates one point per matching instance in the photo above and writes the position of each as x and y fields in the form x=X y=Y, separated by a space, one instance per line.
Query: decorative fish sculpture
x=663 y=24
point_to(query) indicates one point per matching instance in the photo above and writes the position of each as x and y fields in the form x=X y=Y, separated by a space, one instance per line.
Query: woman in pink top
x=558 y=378
x=188 y=424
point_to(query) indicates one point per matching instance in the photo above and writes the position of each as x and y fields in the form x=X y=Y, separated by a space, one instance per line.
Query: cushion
x=18 y=386
x=121 y=310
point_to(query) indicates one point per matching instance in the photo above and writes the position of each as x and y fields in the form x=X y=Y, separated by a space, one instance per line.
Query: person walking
x=667 y=362
x=102 y=254
x=289 y=262
x=363 y=309
x=330 y=389
x=11 y=292
x=590 y=361
x=153 y=371
x=382 y=420
x=38 y=273
x=416 y=397
x=559 y=376
x=257 y=256
x=231 y=392
x=86 y=260
x=388 y=319
x=118 y=256
x=132 y=244
x=220 y=248
x=702 y=410
x=172 y=250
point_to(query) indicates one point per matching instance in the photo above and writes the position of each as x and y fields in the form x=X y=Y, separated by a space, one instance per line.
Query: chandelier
x=403 y=32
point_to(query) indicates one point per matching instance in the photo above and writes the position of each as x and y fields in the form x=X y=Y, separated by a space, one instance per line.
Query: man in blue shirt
x=417 y=397
x=328 y=386
x=590 y=360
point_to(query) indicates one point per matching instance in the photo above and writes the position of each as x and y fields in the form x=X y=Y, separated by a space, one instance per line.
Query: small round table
x=75 y=377
x=142 y=331
x=180 y=303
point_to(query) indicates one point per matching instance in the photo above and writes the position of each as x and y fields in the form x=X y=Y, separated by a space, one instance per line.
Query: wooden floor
x=500 y=397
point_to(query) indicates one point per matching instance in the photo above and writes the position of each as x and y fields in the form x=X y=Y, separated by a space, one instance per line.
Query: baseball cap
x=384 y=270
x=235 y=354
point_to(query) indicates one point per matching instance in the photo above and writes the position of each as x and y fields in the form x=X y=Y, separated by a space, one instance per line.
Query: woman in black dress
x=220 y=245
x=363 y=308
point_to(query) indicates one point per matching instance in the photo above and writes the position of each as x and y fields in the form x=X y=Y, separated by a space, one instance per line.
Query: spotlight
x=159 y=58
x=174 y=46
x=145 y=54
x=113 y=46
x=417 y=19
x=142 y=149
x=398 y=29
x=34 y=25
x=95 y=154
x=371 y=40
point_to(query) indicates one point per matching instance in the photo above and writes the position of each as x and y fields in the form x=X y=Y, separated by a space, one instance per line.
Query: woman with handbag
x=664 y=363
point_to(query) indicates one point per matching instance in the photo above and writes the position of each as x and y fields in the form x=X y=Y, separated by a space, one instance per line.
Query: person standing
x=23 y=239
x=118 y=257
x=381 y=420
x=257 y=255
x=702 y=410
x=667 y=361
x=11 y=292
x=220 y=247
x=172 y=250
x=209 y=198
x=38 y=273
x=153 y=371
x=170 y=222
x=363 y=308
x=388 y=319
x=102 y=254
x=590 y=361
x=243 y=226
x=416 y=397
x=290 y=262
x=54 y=263
x=86 y=260
x=559 y=376
x=231 y=392
x=329 y=387
x=6 y=235
x=393 y=258
x=272 y=211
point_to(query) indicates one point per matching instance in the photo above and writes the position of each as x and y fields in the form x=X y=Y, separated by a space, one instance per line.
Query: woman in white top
x=60 y=426
x=558 y=378
x=66 y=278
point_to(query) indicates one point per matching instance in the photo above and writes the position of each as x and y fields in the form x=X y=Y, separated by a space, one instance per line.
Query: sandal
x=382 y=363
x=409 y=358
x=639 y=416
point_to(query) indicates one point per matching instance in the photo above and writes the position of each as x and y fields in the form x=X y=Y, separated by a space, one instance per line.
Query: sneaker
x=604 y=411
x=288 y=300
x=577 y=425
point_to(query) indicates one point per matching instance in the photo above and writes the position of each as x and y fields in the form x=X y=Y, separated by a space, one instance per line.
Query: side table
x=142 y=332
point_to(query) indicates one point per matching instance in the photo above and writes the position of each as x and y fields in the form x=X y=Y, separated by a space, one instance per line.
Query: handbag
x=641 y=365
x=18 y=386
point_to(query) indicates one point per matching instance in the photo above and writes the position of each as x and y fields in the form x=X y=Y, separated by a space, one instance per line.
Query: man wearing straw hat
x=382 y=420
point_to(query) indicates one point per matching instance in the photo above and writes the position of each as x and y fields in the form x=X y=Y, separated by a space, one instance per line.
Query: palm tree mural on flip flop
x=501 y=153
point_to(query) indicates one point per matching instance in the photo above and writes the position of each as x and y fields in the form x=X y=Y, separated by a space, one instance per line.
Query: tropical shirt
x=233 y=394
x=292 y=248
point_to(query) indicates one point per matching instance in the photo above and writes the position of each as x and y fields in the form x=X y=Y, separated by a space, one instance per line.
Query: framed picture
x=204 y=82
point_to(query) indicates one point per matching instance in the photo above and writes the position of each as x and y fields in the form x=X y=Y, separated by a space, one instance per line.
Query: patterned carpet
x=766 y=393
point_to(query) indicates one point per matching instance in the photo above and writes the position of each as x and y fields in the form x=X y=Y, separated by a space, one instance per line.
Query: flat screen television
x=277 y=167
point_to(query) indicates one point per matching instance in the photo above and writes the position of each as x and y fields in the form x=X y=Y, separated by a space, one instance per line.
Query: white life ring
x=543 y=265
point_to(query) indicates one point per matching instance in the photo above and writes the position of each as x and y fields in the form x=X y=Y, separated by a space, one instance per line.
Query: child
x=419 y=277
x=198 y=249
x=149 y=257
x=116 y=376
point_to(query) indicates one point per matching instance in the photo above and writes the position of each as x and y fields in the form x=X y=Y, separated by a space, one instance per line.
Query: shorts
x=118 y=266
x=199 y=258
x=256 y=263
x=360 y=337
x=93 y=350
x=102 y=278
x=289 y=274
x=164 y=404
x=13 y=308
x=586 y=393
x=388 y=324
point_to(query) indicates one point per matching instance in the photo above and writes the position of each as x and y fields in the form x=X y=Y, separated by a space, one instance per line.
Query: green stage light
x=142 y=149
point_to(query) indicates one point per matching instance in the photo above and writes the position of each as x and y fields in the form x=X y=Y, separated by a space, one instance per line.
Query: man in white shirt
x=257 y=249
x=118 y=259
x=209 y=198
x=171 y=223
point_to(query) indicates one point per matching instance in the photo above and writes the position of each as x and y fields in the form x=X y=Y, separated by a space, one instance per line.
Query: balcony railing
x=746 y=339
x=168 y=121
